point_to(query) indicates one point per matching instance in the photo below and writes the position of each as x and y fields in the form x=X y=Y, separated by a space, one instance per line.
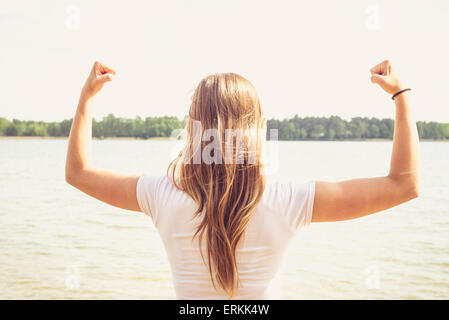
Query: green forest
x=296 y=128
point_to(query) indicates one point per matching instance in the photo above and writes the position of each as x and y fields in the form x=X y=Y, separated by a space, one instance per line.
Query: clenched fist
x=97 y=77
x=384 y=75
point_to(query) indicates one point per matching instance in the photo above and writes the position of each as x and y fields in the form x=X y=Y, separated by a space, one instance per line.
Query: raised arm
x=112 y=188
x=335 y=201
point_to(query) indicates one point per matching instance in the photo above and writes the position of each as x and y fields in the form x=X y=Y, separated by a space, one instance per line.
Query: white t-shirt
x=283 y=209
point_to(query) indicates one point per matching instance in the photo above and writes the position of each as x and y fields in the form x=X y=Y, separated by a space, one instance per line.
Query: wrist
x=86 y=92
x=402 y=92
x=402 y=106
x=84 y=104
x=85 y=98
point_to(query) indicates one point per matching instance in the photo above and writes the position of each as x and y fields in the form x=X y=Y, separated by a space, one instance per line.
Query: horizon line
x=182 y=118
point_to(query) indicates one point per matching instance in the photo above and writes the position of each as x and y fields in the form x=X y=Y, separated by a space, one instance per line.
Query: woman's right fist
x=99 y=74
x=384 y=75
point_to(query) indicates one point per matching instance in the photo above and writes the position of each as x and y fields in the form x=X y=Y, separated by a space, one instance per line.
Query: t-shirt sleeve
x=299 y=204
x=147 y=195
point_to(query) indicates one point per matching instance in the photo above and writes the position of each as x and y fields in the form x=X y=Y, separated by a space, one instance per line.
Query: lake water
x=57 y=243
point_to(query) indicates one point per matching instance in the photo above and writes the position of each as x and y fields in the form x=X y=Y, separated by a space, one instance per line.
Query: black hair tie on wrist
x=399 y=92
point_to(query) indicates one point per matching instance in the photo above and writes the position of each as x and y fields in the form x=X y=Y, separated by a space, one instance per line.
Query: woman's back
x=283 y=209
x=244 y=223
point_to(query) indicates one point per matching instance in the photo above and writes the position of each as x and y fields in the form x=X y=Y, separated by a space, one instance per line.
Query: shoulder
x=158 y=187
x=293 y=200
x=157 y=181
x=152 y=190
x=288 y=189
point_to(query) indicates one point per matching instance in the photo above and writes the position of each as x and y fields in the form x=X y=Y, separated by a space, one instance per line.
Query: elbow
x=408 y=186
x=74 y=175
x=71 y=176
x=412 y=192
x=413 y=188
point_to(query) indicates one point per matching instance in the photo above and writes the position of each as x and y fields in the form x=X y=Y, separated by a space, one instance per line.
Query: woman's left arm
x=112 y=188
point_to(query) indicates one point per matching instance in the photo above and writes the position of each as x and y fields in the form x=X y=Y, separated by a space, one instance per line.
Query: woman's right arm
x=350 y=199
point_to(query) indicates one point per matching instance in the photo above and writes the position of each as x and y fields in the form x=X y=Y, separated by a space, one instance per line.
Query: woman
x=225 y=228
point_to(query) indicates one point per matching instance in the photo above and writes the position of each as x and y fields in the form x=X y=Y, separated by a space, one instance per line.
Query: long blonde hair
x=226 y=191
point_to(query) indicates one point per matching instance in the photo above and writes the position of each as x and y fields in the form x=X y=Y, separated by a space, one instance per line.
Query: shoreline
x=169 y=138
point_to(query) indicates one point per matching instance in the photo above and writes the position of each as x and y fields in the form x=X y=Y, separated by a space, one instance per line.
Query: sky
x=310 y=58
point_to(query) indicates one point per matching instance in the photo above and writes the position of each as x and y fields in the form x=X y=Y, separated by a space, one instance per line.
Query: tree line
x=296 y=128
